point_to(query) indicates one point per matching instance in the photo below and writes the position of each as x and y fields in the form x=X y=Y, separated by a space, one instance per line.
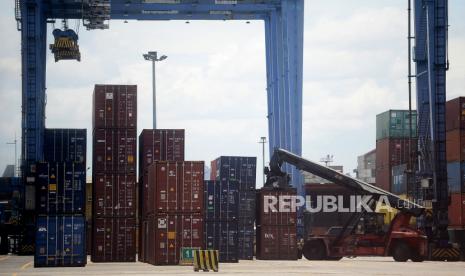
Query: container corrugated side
x=455 y=145
x=113 y=240
x=247 y=201
x=221 y=200
x=390 y=152
x=277 y=242
x=270 y=216
x=399 y=179
x=114 y=195
x=456 y=177
x=114 y=150
x=455 y=114
x=395 y=124
x=65 y=145
x=240 y=168
x=175 y=186
x=60 y=188
x=223 y=236
x=60 y=241
x=165 y=235
x=457 y=211
x=245 y=240
x=160 y=144
x=115 y=106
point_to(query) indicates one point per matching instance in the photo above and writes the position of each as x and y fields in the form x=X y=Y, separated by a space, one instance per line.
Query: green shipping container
x=395 y=124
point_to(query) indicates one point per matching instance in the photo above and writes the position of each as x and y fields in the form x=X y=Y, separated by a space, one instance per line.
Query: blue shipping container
x=247 y=205
x=65 y=145
x=60 y=241
x=242 y=169
x=246 y=234
x=60 y=188
x=399 y=179
x=223 y=236
x=221 y=200
x=456 y=177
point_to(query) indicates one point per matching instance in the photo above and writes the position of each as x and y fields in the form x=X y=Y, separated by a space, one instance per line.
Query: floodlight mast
x=153 y=57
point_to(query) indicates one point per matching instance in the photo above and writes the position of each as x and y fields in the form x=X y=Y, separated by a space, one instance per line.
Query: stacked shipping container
x=243 y=170
x=455 y=155
x=154 y=145
x=60 y=184
x=276 y=228
x=393 y=143
x=221 y=199
x=114 y=173
x=174 y=211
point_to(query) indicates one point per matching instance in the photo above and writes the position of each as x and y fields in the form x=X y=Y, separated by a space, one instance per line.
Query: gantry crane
x=283 y=20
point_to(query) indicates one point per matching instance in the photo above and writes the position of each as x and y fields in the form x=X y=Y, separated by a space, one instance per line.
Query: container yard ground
x=19 y=266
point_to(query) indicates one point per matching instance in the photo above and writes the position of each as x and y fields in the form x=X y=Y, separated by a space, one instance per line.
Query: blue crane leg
x=33 y=50
x=431 y=65
x=284 y=41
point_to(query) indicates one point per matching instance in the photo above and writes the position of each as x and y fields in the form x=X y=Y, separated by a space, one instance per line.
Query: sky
x=213 y=83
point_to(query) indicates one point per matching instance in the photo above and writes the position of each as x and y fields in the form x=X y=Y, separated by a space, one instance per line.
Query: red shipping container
x=114 y=240
x=166 y=234
x=114 y=150
x=275 y=216
x=455 y=114
x=457 y=211
x=114 y=195
x=455 y=145
x=277 y=242
x=175 y=187
x=390 y=152
x=115 y=106
x=160 y=144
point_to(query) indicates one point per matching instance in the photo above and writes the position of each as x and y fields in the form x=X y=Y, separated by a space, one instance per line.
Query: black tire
x=401 y=252
x=417 y=258
x=314 y=250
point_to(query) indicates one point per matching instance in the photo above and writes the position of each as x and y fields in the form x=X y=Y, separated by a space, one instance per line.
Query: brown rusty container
x=114 y=150
x=455 y=145
x=160 y=144
x=390 y=152
x=174 y=187
x=455 y=114
x=114 y=240
x=166 y=234
x=115 y=106
x=269 y=216
x=457 y=211
x=277 y=242
x=213 y=170
x=114 y=195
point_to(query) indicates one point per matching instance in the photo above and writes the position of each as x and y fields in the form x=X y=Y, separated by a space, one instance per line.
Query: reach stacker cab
x=363 y=234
